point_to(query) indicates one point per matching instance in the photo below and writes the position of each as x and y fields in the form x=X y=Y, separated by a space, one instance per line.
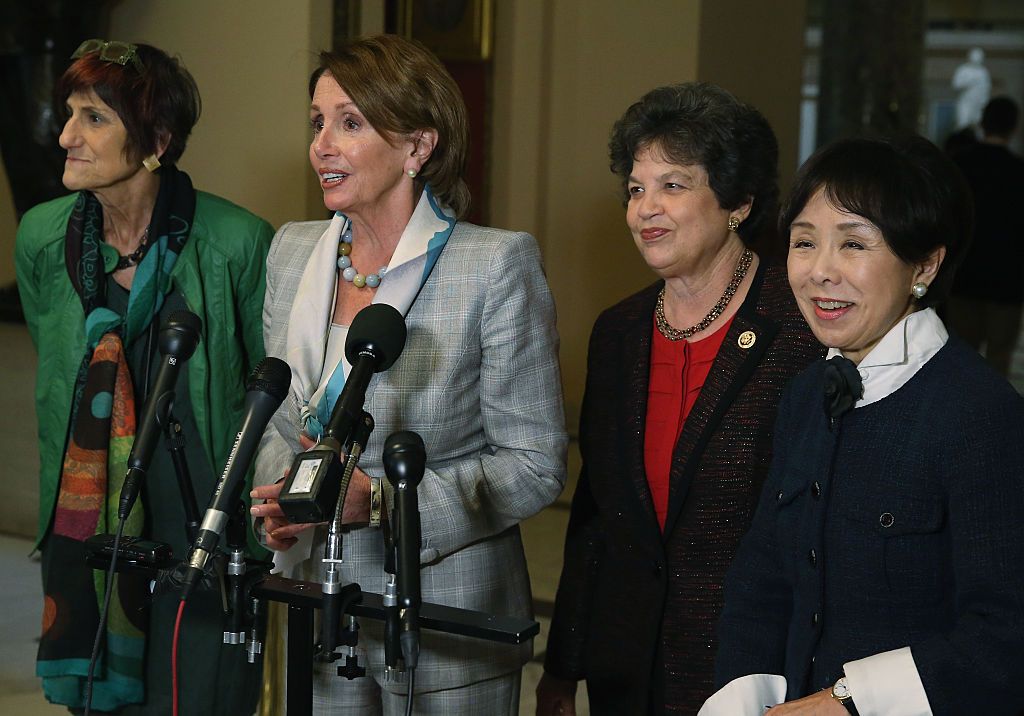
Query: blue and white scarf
x=418 y=249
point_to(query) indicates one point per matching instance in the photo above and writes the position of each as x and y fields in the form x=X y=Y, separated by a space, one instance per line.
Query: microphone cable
x=174 y=659
x=108 y=590
x=409 y=693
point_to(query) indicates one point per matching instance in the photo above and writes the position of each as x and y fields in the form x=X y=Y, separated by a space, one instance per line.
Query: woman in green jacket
x=99 y=272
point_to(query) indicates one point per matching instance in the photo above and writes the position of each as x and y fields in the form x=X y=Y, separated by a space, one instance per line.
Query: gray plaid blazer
x=479 y=381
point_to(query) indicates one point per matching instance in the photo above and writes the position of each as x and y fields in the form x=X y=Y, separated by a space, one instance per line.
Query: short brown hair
x=400 y=86
x=701 y=123
x=161 y=98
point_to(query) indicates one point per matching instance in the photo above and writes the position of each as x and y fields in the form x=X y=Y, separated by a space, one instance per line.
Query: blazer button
x=886 y=519
x=813 y=557
x=816 y=489
x=778 y=497
x=815 y=619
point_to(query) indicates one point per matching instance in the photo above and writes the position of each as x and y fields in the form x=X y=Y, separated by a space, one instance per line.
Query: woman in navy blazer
x=882 y=572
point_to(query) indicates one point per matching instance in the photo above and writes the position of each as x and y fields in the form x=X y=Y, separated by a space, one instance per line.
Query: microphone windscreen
x=405 y=457
x=379 y=329
x=271 y=376
x=179 y=335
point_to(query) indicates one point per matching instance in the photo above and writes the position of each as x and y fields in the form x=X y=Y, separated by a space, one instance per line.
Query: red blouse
x=678 y=372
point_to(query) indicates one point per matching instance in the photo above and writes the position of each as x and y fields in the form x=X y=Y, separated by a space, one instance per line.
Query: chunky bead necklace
x=717 y=310
x=348 y=271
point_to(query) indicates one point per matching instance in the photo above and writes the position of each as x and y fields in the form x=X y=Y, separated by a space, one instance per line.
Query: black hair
x=905 y=186
x=999 y=118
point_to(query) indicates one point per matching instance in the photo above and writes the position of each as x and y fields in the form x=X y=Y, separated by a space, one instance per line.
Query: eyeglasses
x=110 y=51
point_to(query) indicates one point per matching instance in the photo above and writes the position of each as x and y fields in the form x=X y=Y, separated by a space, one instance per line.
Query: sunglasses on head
x=110 y=51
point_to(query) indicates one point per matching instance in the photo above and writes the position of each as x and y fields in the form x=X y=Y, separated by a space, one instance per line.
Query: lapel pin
x=746 y=340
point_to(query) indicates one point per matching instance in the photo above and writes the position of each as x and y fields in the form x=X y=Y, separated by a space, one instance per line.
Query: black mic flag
x=265 y=390
x=177 y=341
x=375 y=341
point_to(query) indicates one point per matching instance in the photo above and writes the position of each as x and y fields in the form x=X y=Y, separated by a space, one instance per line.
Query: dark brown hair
x=161 y=99
x=698 y=123
x=400 y=87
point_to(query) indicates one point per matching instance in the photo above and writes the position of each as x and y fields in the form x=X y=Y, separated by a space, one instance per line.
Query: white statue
x=974 y=83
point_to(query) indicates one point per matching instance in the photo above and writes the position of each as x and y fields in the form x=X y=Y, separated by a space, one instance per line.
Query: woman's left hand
x=357 y=499
x=819 y=704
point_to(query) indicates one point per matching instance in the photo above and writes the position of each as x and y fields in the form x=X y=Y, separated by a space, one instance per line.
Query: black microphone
x=177 y=341
x=265 y=390
x=405 y=459
x=375 y=340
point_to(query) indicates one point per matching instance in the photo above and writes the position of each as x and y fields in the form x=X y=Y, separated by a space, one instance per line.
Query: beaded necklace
x=349 y=272
x=673 y=334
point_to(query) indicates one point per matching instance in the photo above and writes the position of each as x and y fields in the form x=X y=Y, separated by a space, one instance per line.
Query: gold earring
x=151 y=163
x=733 y=224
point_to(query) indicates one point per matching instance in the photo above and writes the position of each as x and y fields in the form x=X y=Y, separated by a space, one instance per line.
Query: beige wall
x=563 y=72
x=755 y=50
x=251 y=60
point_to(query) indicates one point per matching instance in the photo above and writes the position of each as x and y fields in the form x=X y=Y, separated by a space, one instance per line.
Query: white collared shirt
x=899 y=355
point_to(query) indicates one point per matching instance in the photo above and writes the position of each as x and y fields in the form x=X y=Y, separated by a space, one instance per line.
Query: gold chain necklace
x=673 y=334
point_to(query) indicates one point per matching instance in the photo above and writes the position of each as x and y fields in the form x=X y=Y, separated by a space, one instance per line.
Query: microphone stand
x=392 y=647
x=334 y=594
x=175 y=439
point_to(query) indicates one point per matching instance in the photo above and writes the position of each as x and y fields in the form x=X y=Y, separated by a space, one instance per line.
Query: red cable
x=174 y=659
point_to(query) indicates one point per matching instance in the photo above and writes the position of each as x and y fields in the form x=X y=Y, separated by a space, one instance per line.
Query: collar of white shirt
x=899 y=355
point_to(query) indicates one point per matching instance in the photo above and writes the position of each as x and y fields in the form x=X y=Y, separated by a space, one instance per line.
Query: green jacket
x=220 y=273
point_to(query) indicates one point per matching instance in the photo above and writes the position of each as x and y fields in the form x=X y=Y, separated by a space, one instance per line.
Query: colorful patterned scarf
x=101 y=433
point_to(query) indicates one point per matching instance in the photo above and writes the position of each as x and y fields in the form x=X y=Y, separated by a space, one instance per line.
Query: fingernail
x=254 y=510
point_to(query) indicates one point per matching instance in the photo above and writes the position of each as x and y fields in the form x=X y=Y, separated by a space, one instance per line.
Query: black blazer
x=901 y=525
x=636 y=607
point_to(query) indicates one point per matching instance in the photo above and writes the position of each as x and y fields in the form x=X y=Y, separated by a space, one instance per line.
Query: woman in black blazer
x=683 y=379
x=882 y=572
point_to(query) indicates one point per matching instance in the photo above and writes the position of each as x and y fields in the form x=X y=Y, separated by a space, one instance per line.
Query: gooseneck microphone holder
x=334 y=593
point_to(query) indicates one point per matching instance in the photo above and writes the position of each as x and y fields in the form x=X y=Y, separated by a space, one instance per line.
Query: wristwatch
x=841 y=693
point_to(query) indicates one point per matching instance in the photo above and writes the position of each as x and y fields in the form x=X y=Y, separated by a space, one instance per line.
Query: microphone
x=405 y=459
x=375 y=340
x=177 y=342
x=265 y=390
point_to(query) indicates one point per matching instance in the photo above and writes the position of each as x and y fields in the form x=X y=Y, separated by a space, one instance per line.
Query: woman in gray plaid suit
x=478 y=378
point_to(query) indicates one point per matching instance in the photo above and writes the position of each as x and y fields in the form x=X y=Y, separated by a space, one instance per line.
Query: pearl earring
x=919 y=289
x=411 y=173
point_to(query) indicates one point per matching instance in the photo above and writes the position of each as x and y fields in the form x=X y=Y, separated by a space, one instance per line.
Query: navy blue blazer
x=900 y=525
